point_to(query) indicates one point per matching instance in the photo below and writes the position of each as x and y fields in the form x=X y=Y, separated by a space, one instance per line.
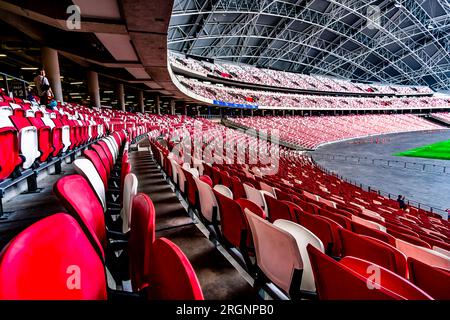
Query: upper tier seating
x=282 y=79
x=291 y=101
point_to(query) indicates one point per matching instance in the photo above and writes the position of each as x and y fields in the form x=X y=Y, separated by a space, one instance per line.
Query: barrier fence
x=390 y=163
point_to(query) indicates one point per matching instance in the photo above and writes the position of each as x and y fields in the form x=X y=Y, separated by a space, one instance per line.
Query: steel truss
x=403 y=44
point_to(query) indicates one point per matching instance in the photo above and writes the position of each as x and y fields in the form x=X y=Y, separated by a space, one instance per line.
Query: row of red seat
x=31 y=135
x=105 y=217
x=310 y=132
x=340 y=233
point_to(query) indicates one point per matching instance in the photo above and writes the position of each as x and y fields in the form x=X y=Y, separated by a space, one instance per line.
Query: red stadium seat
x=273 y=245
x=81 y=202
x=324 y=230
x=52 y=260
x=348 y=280
x=10 y=158
x=46 y=139
x=373 y=250
x=434 y=281
x=141 y=240
x=278 y=209
x=171 y=276
x=97 y=162
x=364 y=230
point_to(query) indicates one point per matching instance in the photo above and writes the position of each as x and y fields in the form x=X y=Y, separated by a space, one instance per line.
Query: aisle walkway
x=218 y=277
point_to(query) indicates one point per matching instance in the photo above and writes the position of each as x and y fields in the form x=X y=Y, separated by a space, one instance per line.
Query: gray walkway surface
x=427 y=187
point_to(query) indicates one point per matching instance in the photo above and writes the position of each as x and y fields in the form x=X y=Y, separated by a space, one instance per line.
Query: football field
x=439 y=150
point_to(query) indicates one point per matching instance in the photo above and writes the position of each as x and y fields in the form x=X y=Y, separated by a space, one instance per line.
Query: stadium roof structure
x=400 y=42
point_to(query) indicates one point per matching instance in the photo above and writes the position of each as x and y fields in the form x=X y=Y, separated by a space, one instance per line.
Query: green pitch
x=439 y=150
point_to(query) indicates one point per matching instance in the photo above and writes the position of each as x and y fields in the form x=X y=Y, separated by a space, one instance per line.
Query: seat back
x=103 y=157
x=408 y=238
x=374 y=233
x=434 y=281
x=97 y=162
x=425 y=255
x=388 y=280
x=206 y=198
x=373 y=250
x=181 y=177
x=52 y=260
x=224 y=190
x=129 y=191
x=368 y=223
x=191 y=186
x=253 y=207
x=171 y=276
x=233 y=225
x=321 y=228
x=77 y=196
x=9 y=159
x=343 y=221
x=107 y=151
x=277 y=253
x=303 y=237
x=278 y=209
x=142 y=237
x=237 y=188
x=335 y=281
x=255 y=195
x=86 y=168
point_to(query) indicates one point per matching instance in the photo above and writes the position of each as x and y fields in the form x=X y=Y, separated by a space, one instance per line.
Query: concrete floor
x=430 y=188
x=218 y=276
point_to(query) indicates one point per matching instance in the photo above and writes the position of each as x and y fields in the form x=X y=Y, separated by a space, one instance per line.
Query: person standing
x=43 y=88
x=401 y=202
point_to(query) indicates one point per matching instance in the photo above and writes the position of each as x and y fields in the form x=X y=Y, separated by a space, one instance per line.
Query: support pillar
x=121 y=96
x=158 y=104
x=172 y=107
x=185 y=111
x=141 y=105
x=93 y=88
x=251 y=112
x=51 y=66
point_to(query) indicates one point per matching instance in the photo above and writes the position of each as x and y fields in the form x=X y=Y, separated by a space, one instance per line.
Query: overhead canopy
x=400 y=42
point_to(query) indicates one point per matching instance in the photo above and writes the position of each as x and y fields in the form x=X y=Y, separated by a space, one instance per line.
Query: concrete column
x=242 y=112
x=93 y=88
x=51 y=65
x=141 y=104
x=158 y=104
x=198 y=110
x=172 y=106
x=121 y=96
x=251 y=112
x=220 y=110
x=284 y=113
x=273 y=112
x=185 y=108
